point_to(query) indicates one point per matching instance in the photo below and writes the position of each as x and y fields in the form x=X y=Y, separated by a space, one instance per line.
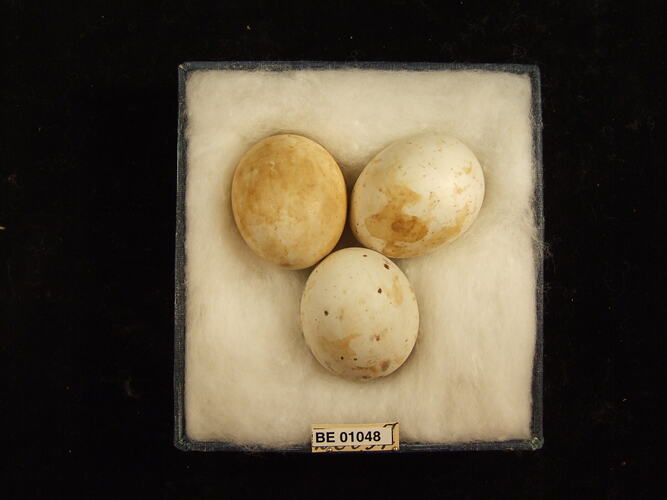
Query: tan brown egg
x=416 y=195
x=359 y=314
x=289 y=200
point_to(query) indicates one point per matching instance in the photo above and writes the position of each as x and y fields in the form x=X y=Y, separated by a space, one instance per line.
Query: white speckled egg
x=359 y=314
x=416 y=195
x=289 y=200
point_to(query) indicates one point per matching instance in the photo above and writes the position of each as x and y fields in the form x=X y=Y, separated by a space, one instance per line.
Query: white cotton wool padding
x=249 y=376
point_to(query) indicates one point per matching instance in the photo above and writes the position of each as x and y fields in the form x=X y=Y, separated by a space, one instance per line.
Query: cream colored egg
x=359 y=314
x=416 y=195
x=289 y=200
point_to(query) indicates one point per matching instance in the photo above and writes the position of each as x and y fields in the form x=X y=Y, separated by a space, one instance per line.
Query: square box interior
x=244 y=376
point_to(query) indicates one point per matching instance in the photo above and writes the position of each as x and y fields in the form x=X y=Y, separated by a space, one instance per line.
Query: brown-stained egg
x=359 y=314
x=417 y=195
x=289 y=200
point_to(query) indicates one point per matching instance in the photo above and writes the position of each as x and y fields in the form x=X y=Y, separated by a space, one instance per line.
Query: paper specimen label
x=355 y=437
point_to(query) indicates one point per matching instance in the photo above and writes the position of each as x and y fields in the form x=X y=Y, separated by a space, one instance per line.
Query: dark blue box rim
x=181 y=440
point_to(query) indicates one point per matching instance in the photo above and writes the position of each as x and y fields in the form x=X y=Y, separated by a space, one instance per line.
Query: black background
x=87 y=200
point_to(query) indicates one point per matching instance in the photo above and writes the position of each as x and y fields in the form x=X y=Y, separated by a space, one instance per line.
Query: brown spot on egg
x=377 y=338
x=433 y=200
x=326 y=313
x=386 y=266
x=451 y=231
x=397 y=250
x=395 y=293
x=384 y=365
x=434 y=240
x=379 y=290
x=371 y=368
x=339 y=347
x=392 y=224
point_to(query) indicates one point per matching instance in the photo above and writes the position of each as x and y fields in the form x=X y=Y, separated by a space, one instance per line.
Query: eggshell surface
x=359 y=314
x=289 y=200
x=416 y=195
